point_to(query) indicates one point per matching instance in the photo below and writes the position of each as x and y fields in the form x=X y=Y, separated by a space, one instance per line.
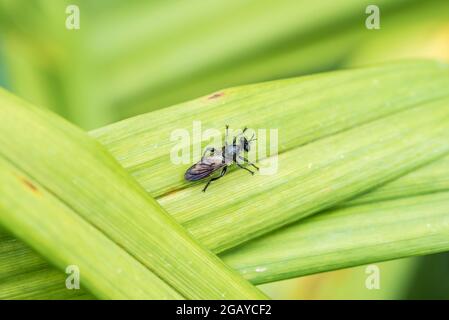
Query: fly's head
x=246 y=143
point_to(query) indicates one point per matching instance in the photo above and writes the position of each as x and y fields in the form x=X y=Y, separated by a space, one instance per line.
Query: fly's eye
x=246 y=145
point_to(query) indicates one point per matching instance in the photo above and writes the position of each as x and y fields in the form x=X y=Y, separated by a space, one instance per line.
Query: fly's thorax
x=231 y=152
x=214 y=159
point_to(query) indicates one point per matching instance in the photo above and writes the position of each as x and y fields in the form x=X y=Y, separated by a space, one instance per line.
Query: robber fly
x=214 y=159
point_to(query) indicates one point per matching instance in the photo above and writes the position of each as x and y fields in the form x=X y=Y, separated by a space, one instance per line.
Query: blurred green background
x=132 y=57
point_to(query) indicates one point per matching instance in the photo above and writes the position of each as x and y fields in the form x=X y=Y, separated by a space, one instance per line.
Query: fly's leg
x=248 y=162
x=226 y=135
x=242 y=167
x=216 y=178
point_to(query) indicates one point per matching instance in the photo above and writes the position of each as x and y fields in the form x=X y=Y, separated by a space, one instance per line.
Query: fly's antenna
x=243 y=132
x=252 y=138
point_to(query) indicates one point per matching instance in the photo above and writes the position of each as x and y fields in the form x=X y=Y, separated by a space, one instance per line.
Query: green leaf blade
x=347 y=237
x=379 y=131
x=119 y=208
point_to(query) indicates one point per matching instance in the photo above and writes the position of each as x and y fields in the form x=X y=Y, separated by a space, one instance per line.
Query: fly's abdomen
x=204 y=168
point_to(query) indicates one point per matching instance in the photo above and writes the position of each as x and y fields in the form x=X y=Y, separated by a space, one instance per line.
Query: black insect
x=214 y=159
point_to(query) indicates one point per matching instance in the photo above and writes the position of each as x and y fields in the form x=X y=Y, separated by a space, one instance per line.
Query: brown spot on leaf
x=215 y=95
x=29 y=185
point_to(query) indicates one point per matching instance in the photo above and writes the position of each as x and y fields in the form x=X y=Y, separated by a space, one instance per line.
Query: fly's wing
x=204 y=168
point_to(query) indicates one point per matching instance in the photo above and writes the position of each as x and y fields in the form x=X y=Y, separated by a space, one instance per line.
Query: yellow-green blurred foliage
x=136 y=56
